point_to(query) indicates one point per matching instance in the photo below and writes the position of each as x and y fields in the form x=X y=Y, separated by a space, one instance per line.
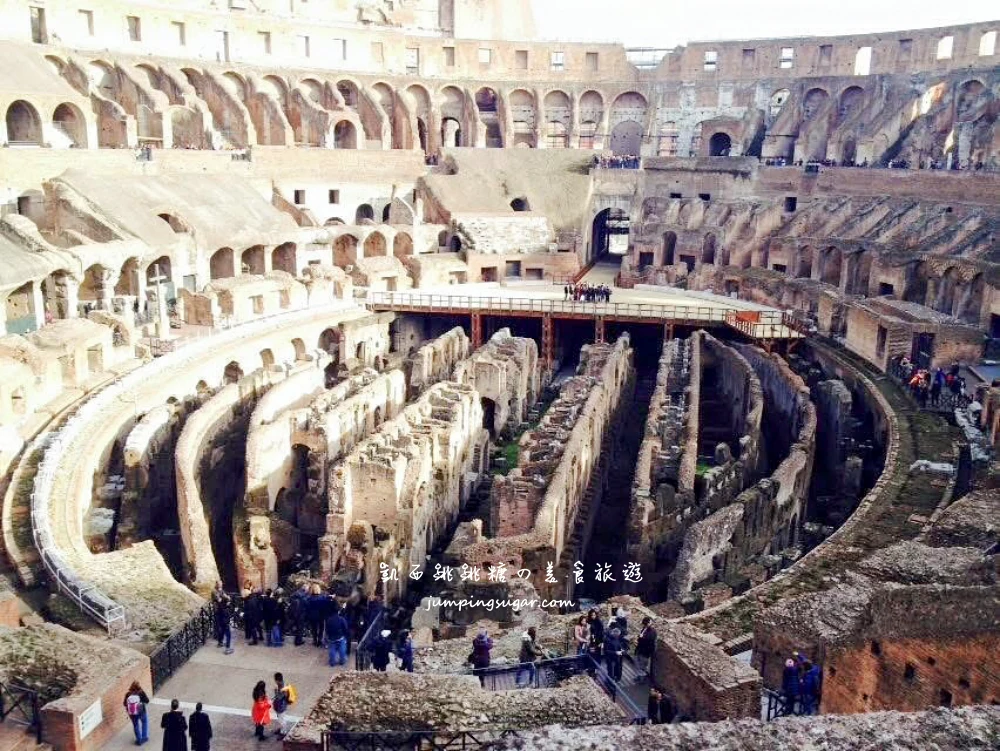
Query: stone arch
x=970 y=94
x=420 y=97
x=330 y=341
x=813 y=101
x=803 y=268
x=365 y=213
x=314 y=90
x=221 y=264
x=451 y=132
x=92 y=286
x=160 y=266
x=299 y=347
x=591 y=106
x=402 y=245
x=628 y=114
x=252 y=260
x=69 y=120
x=267 y=358
x=915 y=288
x=555 y=135
x=283 y=258
x=128 y=279
x=232 y=373
x=348 y=90
x=486 y=100
x=487 y=104
x=24 y=126
x=345 y=250
x=55 y=290
x=345 y=135
x=947 y=286
x=720 y=144
x=375 y=245
x=177 y=224
x=970 y=300
x=236 y=85
x=708 y=249
x=21 y=316
x=850 y=102
x=777 y=101
x=521 y=104
x=829 y=266
x=669 y=248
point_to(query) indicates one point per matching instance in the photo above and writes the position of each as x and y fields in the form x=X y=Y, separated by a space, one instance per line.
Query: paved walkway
x=224 y=683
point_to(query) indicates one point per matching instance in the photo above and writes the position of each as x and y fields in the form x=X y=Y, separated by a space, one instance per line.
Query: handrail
x=14 y=697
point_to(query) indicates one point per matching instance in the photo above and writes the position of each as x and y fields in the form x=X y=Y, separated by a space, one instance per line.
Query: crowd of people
x=801 y=685
x=926 y=385
x=617 y=161
x=923 y=164
x=176 y=727
x=587 y=293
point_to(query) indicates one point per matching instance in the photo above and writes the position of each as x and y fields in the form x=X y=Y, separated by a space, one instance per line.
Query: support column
x=599 y=330
x=548 y=342
x=668 y=332
x=477 y=331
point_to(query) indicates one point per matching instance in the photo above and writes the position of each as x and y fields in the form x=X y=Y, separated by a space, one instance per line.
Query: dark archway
x=720 y=144
x=708 y=249
x=252 y=261
x=283 y=258
x=345 y=135
x=365 y=212
x=24 y=126
x=669 y=248
x=489 y=416
x=520 y=204
x=221 y=264
x=609 y=233
x=829 y=269
x=329 y=342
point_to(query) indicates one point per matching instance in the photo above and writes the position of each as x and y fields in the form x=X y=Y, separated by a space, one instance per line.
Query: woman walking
x=581 y=633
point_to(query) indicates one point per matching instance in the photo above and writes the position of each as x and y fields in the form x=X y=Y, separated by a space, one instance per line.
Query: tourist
x=296 y=615
x=405 y=653
x=531 y=652
x=283 y=697
x=381 y=650
x=790 y=685
x=135 y=704
x=614 y=652
x=253 y=613
x=337 y=633
x=174 y=728
x=260 y=713
x=620 y=620
x=581 y=634
x=268 y=612
x=278 y=613
x=480 y=655
x=645 y=647
x=596 y=633
x=315 y=614
x=200 y=729
x=223 y=625
x=566 y=292
x=812 y=684
x=653 y=707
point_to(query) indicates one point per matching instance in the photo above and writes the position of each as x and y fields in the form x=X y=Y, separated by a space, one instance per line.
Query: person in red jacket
x=260 y=713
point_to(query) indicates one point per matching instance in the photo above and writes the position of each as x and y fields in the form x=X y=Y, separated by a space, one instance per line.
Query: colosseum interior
x=396 y=308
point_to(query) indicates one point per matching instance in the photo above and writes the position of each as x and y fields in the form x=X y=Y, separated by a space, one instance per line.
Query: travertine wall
x=435 y=361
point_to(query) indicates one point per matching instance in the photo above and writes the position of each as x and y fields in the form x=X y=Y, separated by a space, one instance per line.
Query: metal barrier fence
x=20 y=705
x=181 y=644
x=777 y=706
x=362 y=654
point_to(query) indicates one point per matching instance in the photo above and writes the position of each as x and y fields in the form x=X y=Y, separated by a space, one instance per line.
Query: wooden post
x=477 y=331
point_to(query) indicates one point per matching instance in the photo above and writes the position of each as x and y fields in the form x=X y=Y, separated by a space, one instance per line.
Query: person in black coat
x=614 y=652
x=200 y=728
x=174 y=728
x=381 y=648
x=596 y=633
x=253 y=612
x=296 y=615
x=315 y=614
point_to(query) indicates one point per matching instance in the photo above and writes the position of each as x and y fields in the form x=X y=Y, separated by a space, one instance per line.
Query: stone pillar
x=477 y=331
x=37 y=304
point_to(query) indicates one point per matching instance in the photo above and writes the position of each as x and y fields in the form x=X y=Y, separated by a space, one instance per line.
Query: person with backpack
x=174 y=728
x=200 y=730
x=260 y=712
x=135 y=706
x=284 y=696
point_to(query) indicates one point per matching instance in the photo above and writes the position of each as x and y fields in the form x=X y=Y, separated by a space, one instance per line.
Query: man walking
x=336 y=639
x=200 y=729
x=174 y=728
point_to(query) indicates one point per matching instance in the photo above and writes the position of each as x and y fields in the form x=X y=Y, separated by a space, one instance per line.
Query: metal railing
x=181 y=644
x=466 y=303
x=362 y=654
x=20 y=705
x=777 y=705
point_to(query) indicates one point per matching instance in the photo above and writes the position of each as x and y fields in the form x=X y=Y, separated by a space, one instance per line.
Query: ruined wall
x=435 y=361
x=924 y=647
x=703 y=682
x=663 y=488
x=534 y=508
x=504 y=372
x=766 y=517
x=393 y=497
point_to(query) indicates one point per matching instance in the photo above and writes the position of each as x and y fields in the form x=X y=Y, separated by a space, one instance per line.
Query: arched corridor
x=221 y=264
x=24 y=126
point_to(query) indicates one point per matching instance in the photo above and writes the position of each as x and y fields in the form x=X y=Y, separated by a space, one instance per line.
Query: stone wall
x=504 y=234
x=435 y=361
x=504 y=372
x=969 y=728
x=534 y=507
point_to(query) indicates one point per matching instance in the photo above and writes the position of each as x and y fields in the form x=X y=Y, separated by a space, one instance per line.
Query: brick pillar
x=477 y=331
x=548 y=342
x=668 y=332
